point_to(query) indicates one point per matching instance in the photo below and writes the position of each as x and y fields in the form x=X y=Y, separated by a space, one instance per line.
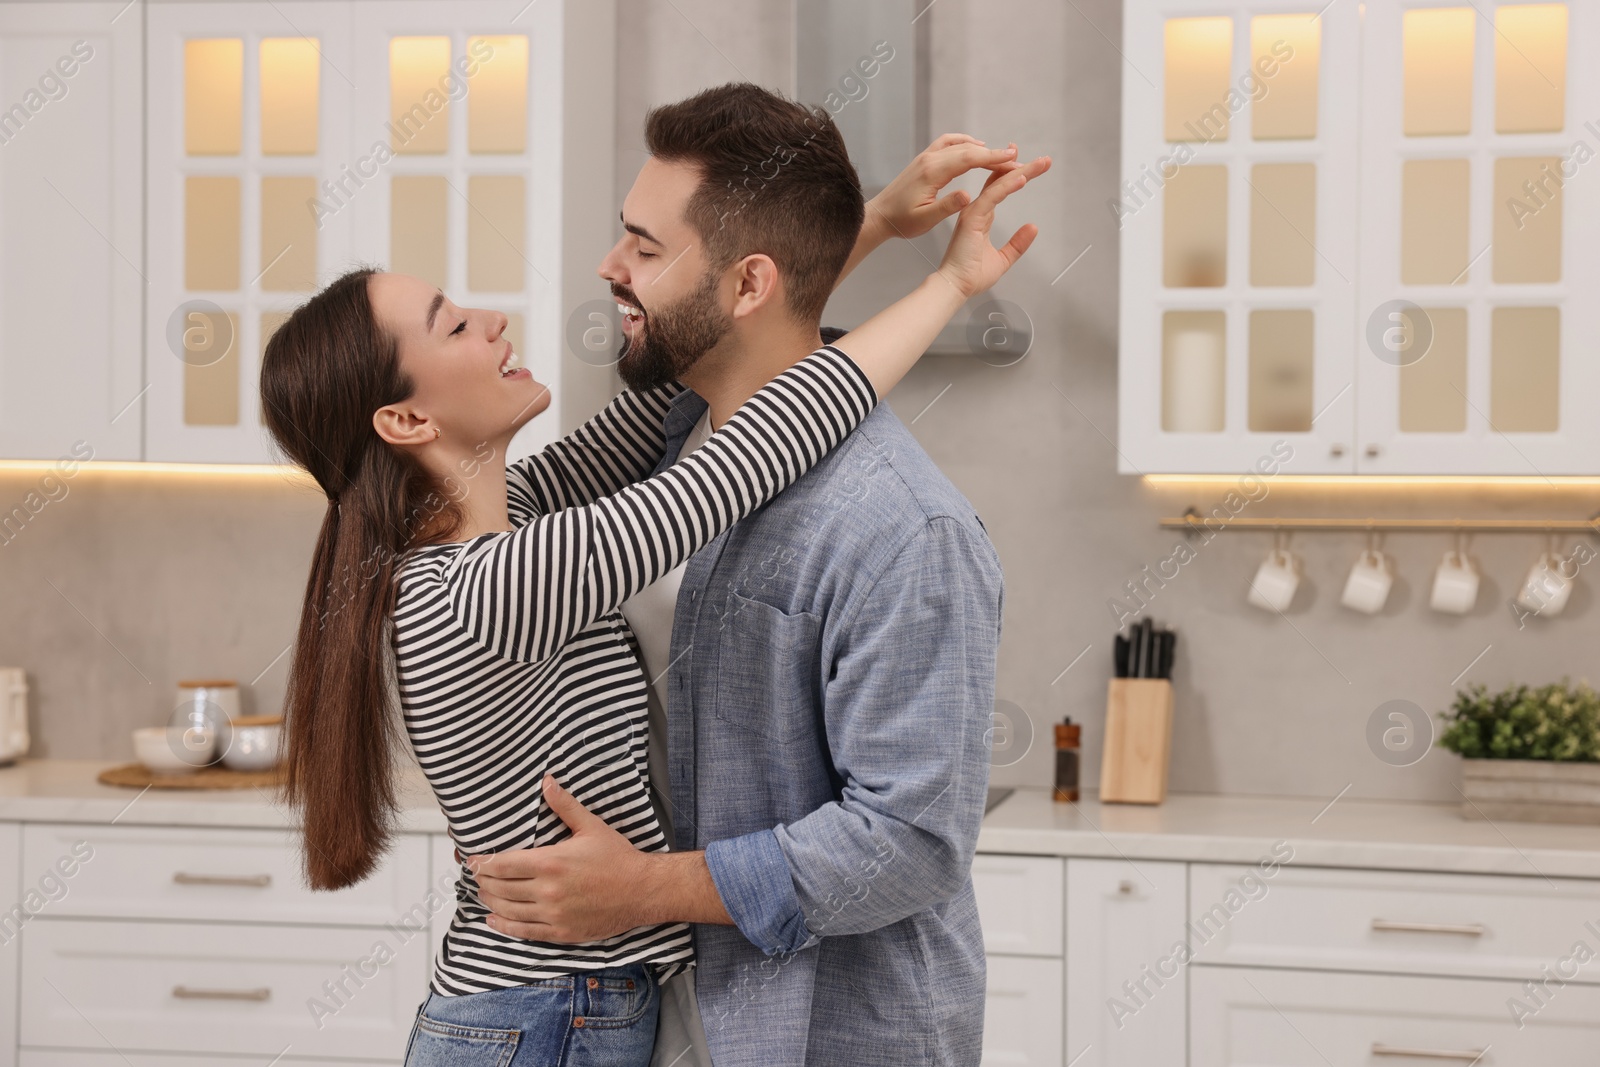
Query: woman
x=498 y=592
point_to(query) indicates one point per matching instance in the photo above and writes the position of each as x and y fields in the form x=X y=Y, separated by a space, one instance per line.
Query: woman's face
x=469 y=384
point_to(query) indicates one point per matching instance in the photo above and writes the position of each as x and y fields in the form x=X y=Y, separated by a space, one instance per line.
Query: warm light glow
x=1199 y=55
x=419 y=109
x=497 y=108
x=290 y=67
x=278 y=471
x=1374 y=481
x=1530 y=68
x=1289 y=108
x=1438 y=70
x=213 y=96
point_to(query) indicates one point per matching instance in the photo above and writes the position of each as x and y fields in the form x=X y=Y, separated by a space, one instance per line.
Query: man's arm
x=908 y=708
x=908 y=712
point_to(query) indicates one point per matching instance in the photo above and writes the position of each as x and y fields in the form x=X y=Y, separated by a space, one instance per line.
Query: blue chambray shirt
x=830 y=694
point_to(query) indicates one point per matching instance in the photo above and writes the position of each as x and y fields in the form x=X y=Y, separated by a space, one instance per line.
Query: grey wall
x=205 y=576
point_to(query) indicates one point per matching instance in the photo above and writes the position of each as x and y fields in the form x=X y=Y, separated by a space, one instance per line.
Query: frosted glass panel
x=288 y=235
x=211 y=233
x=1193 y=371
x=213 y=96
x=1434 y=195
x=1433 y=389
x=1527 y=219
x=270 y=321
x=289 y=81
x=496 y=227
x=1438 y=70
x=1291 y=47
x=1283 y=224
x=419 y=111
x=211 y=380
x=1199 y=52
x=1530 y=68
x=497 y=106
x=1525 y=370
x=1195 y=227
x=1281 y=343
x=417 y=228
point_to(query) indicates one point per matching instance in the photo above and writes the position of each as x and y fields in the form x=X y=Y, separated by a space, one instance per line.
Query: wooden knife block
x=1138 y=741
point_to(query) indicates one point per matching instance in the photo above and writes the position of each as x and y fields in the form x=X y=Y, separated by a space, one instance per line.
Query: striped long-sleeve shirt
x=514 y=661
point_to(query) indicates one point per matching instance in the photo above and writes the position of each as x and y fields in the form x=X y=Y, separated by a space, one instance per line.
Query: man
x=828 y=664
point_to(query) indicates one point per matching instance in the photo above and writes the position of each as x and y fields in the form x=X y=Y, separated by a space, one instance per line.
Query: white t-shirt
x=680 y=1034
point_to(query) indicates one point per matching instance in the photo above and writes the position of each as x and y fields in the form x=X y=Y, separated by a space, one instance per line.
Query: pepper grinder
x=1067 y=734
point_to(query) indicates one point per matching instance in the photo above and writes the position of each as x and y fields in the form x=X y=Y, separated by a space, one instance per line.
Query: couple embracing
x=702 y=689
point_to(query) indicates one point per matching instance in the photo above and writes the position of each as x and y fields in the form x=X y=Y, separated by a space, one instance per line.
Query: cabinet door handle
x=185 y=993
x=249 y=881
x=1471 y=1055
x=1468 y=929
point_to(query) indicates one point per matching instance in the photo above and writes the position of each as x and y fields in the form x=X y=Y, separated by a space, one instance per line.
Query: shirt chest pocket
x=768 y=670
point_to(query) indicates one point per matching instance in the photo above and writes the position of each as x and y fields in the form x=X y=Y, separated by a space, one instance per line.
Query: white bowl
x=174 y=749
x=253 y=748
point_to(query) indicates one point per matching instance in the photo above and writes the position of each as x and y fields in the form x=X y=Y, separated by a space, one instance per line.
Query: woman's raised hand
x=971 y=262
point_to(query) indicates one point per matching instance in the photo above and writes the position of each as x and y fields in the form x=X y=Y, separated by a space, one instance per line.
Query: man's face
x=658 y=271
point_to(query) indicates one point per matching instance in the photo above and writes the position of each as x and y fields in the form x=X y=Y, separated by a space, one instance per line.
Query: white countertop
x=1188 y=827
x=1243 y=829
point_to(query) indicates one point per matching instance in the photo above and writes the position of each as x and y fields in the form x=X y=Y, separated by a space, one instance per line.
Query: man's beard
x=675 y=337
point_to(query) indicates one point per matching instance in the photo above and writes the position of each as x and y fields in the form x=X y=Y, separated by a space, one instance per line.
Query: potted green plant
x=1528 y=754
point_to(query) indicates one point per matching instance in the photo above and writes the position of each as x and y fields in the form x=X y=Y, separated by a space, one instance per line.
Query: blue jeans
x=596 y=1019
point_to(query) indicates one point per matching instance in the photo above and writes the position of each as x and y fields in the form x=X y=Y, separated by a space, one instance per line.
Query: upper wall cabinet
x=71 y=261
x=292 y=141
x=1349 y=227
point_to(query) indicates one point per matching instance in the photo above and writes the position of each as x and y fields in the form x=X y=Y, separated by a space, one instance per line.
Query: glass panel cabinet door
x=1238 y=228
x=71 y=249
x=292 y=140
x=1478 y=275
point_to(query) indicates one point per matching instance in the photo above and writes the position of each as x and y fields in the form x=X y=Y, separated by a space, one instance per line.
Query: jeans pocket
x=437 y=1044
x=616 y=1000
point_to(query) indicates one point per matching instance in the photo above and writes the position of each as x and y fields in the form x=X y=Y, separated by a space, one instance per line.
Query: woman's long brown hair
x=323 y=374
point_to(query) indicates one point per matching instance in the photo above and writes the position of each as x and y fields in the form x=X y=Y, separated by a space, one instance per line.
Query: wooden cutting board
x=138 y=776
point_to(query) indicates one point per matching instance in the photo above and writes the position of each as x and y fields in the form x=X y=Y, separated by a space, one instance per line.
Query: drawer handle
x=1468 y=929
x=1470 y=1055
x=251 y=881
x=185 y=993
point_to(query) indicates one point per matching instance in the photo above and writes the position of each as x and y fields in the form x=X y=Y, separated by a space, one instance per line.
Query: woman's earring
x=437 y=433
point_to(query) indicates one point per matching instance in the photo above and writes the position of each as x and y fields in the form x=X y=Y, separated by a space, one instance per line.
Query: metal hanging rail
x=1193 y=520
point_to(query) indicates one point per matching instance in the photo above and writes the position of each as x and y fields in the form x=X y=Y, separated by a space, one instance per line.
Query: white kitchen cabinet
x=343 y=992
x=13 y=888
x=71 y=215
x=422 y=138
x=1021 y=908
x=1285 y=1018
x=1390 y=922
x=1022 y=1013
x=1238 y=235
x=224 y=875
x=1126 y=998
x=1360 y=230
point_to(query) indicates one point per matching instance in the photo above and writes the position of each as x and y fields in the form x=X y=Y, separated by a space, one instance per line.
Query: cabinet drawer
x=1240 y=1016
x=1393 y=921
x=135 y=872
x=39 y=1057
x=1020 y=903
x=1022 y=1013
x=203 y=987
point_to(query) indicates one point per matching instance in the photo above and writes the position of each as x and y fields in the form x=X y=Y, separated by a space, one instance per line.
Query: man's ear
x=399 y=424
x=757 y=283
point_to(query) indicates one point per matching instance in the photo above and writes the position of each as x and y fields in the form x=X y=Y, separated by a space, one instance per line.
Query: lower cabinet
x=1255 y=1016
x=1126 y=963
x=1020 y=904
x=1022 y=1014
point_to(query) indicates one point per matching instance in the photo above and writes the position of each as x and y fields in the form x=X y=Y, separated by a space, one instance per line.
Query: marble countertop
x=1394 y=835
x=1188 y=827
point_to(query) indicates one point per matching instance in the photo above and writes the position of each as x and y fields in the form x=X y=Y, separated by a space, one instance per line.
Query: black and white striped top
x=513 y=660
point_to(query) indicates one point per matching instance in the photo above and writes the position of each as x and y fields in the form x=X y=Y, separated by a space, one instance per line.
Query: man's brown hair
x=774 y=178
